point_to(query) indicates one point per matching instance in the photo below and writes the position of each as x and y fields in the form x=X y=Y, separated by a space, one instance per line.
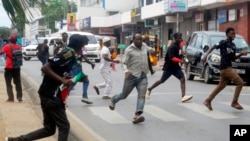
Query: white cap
x=105 y=39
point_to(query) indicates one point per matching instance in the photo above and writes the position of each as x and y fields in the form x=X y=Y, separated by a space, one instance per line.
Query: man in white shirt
x=105 y=70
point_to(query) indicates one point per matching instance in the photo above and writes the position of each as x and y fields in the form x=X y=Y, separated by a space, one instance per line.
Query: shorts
x=168 y=72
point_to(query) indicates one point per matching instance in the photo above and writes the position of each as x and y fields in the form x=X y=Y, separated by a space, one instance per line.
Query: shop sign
x=136 y=14
x=87 y=23
x=178 y=5
x=149 y=23
x=166 y=7
x=222 y=16
x=193 y=3
x=173 y=19
x=199 y=17
x=106 y=31
x=232 y=15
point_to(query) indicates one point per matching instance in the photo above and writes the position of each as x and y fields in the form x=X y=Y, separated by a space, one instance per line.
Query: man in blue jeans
x=77 y=68
x=135 y=64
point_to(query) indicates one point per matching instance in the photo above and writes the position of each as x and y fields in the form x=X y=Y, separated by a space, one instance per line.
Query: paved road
x=166 y=117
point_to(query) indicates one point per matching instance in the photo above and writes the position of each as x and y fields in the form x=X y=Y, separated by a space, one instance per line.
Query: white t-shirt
x=105 y=64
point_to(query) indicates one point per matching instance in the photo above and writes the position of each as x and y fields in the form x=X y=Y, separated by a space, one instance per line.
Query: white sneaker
x=6 y=139
x=186 y=98
x=87 y=101
x=147 y=96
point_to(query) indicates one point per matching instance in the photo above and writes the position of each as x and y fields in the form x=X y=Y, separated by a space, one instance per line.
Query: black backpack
x=17 y=56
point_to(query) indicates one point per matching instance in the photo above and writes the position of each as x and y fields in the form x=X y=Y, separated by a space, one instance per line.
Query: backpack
x=17 y=57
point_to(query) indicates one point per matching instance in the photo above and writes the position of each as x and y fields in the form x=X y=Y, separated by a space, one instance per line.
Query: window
x=192 y=40
x=148 y=2
x=198 y=42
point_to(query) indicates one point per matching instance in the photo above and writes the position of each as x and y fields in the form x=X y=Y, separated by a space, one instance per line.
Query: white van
x=93 y=47
x=30 y=50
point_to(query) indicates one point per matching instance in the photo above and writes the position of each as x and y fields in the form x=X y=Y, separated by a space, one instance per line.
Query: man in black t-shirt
x=171 y=66
x=52 y=104
x=227 y=74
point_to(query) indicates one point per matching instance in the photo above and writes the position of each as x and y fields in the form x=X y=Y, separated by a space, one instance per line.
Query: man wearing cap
x=11 y=72
x=105 y=69
x=171 y=66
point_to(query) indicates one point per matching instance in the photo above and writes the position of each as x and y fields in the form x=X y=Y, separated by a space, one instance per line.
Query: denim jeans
x=141 y=84
x=43 y=59
x=74 y=71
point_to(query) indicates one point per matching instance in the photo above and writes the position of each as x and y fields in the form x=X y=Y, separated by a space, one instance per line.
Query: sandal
x=138 y=119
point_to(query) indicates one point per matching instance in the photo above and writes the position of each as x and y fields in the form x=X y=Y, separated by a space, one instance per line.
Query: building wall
x=241 y=25
x=35 y=15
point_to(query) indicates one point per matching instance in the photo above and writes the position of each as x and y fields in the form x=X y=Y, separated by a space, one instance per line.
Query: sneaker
x=106 y=97
x=6 y=139
x=186 y=98
x=111 y=105
x=148 y=94
x=87 y=101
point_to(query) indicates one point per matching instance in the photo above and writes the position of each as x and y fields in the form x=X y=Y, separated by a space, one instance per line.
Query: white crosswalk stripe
x=112 y=117
x=161 y=114
x=201 y=109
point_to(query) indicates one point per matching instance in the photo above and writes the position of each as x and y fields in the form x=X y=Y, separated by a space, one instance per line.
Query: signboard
x=122 y=46
x=199 y=17
x=232 y=15
x=173 y=19
x=136 y=15
x=222 y=16
x=87 y=23
x=149 y=23
x=178 y=6
x=47 y=32
x=194 y=3
x=71 y=21
x=166 y=7
x=106 y=31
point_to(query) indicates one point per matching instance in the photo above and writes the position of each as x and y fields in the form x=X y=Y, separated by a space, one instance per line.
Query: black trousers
x=13 y=74
x=54 y=115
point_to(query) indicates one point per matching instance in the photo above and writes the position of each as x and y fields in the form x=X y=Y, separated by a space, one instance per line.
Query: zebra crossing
x=115 y=117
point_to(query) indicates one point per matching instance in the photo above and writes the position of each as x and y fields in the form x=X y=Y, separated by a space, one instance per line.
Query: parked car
x=200 y=42
x=93 y=47
x=30 y=50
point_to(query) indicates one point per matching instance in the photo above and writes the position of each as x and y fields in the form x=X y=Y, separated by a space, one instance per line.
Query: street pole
x=177 y=22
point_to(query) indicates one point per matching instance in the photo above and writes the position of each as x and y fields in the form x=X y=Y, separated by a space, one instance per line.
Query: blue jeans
x=74 y=71
x=141 y=84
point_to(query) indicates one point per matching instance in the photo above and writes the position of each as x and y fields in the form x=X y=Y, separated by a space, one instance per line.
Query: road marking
x=161 y=114
x=109 y=116
x=203 y=110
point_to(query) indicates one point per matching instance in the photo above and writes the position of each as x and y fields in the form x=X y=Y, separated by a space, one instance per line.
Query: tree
x=15 y=9
x=5 y=32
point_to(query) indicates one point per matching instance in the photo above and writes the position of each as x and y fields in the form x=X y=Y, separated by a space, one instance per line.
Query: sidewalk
x=17 y=118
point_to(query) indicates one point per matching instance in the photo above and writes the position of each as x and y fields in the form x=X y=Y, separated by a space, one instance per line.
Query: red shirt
x=8 y=51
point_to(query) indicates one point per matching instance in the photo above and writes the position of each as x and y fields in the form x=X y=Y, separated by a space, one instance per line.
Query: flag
x=65 y=89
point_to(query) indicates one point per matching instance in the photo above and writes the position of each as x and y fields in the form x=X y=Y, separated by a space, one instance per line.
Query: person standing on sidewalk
x=11 y=72
x=52 y=104
x=172 y=67
x=105 y=70
x=227 y=74
x=135 y=65
x=77 y=68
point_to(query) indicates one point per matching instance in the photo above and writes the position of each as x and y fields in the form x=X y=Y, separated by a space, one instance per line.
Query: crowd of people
x=66 y=64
